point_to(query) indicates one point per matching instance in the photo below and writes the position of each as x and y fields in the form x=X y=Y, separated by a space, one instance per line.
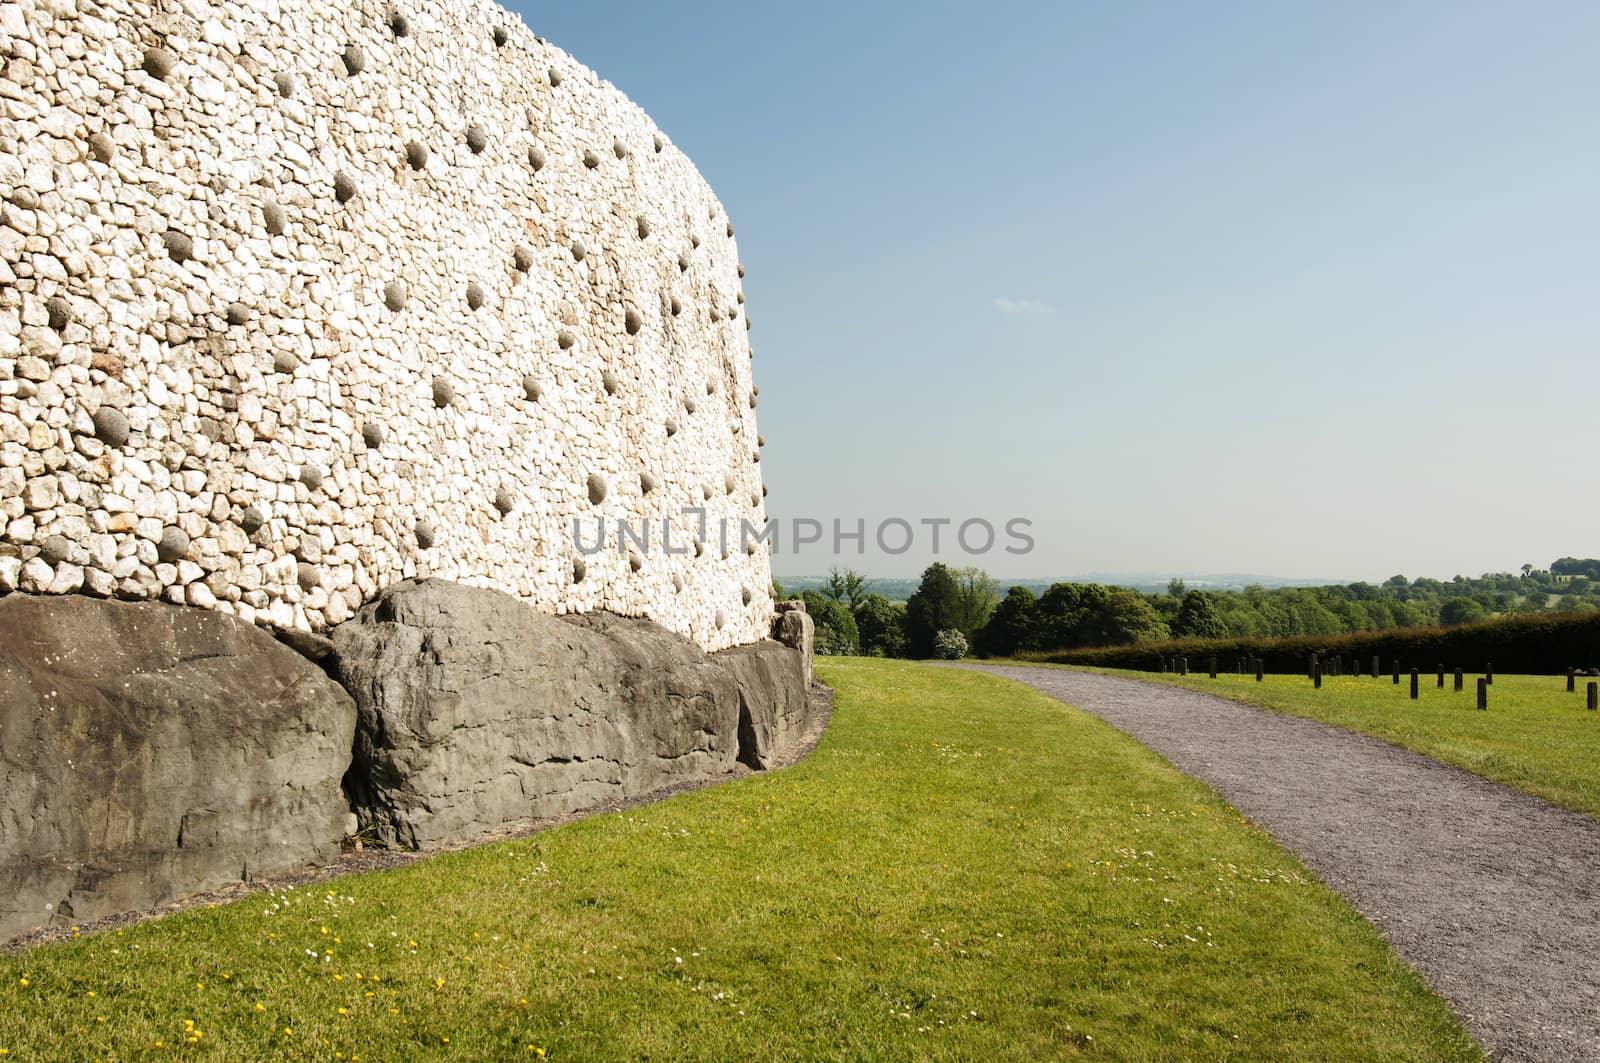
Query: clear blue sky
x=1303 y=290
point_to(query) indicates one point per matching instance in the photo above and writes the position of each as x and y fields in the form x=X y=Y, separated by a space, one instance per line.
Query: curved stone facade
x=300 y=299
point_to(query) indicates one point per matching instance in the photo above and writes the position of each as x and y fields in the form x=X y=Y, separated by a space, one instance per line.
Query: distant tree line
x=967 y=602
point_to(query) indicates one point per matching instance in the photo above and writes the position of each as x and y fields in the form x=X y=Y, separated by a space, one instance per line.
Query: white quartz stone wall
x=299 y=298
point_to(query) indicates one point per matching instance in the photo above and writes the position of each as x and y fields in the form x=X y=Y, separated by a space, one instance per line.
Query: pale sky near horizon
x=1297 y=290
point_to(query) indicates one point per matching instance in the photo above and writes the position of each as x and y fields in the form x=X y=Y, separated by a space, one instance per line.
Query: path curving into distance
x=1493 y=895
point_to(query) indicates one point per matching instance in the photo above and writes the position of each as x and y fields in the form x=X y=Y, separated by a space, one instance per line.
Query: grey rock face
x=148 y=752
x=476 y=710
x=794 y=627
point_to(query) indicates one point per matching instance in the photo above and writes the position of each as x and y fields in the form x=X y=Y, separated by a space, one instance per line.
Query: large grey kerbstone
x=477 y=710
x=149 y=752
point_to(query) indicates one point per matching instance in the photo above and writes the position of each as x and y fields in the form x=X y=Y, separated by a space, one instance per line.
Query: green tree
x=933 y=607
x=979 y=593
x=1176 y=587
x=1013 y=626
x=1197 y=618
x=836 y=634
x=1127 y=617
x=845 y=586
x=881 y=625
x=1461 y=611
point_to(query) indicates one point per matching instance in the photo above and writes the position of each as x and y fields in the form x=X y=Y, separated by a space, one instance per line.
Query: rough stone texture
x=794 y=627
x=148 y=752
x=476 y=710
x=218 y=261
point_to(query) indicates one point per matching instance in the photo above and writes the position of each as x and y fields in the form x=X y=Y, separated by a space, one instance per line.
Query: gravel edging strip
x=355 y=861
x=1490 y=893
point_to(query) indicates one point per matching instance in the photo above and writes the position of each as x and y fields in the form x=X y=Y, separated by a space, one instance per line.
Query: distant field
x=963 y=870
x=1534 y=735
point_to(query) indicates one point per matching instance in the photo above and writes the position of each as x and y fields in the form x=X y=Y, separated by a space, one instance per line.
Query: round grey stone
x=344 y=187
x=56 y=549
x=475 y=295
x=174 y=544
x=308 y=576
x=536 y=158
x=597 y=488
x=416 y=154
x=59 y=311
x=522 y=259
x=394 y=295
x=284 y=362
x=311 y=475
x=424 y=533
x=275 y=218
x=101 y=147
x=355 y=59
x=158 y=63
x=179 y=246
x=477 y=139
x=443 y=393
x=578 y=250
x=579 y=570
x=632 y=322
x=565 y=339
x=238 y=314
x=372 y=435
x=647 y=482
x=251 y=520
x=530 y=389
x=504 y=502
x=111 y=426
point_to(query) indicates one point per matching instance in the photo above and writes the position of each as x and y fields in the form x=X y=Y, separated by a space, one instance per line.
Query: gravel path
x=1494 y=896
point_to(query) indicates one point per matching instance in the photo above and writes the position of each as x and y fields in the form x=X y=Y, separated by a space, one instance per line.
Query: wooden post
x=1594 y=696
x=1260 y=668
x=1572 y=680
x=1458 y=680
x=1183 y=666
x=1162 y=661
x=1316 y=673
x=1396 y=671
x=1376 y=671
x=1441 y=677
x=1413 y=684
x=1488 y=673
x=1212 y=661
x=1483 y=692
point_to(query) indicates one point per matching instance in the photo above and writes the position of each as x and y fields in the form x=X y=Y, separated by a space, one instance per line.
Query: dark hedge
x=1533 y=645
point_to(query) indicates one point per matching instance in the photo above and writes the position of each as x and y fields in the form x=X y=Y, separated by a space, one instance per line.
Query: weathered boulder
x=773 y=706
x=148 y=752
x=794 y=627
x=476 y=710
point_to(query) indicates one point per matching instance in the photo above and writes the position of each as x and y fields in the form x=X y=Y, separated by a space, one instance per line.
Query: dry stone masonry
x=300 y=300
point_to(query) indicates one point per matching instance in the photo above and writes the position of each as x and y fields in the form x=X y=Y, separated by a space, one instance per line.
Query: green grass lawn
x=963 y=870
x=1534 y=736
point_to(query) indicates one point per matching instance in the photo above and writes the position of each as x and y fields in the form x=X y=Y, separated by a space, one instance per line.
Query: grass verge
x=1534 y=736
x=964 y=869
